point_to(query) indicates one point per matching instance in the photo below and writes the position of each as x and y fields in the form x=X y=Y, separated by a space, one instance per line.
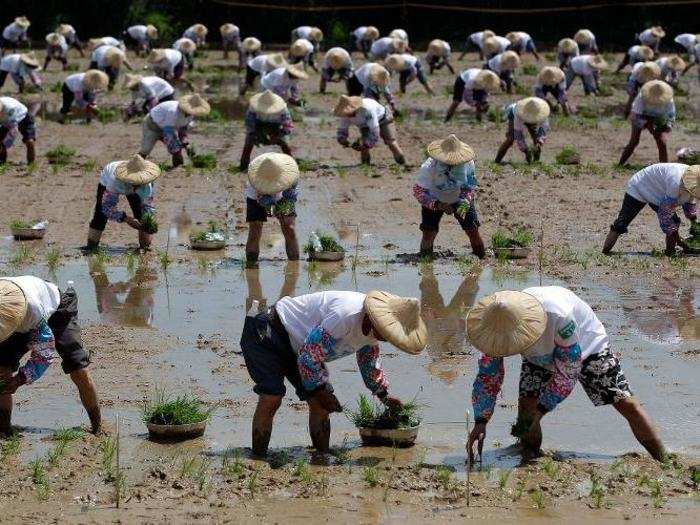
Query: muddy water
x=212 y=300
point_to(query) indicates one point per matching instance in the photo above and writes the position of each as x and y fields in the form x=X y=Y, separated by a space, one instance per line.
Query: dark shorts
x=99 y=219
x=601 y=377
x=26 y=126
x=458 y=89
x=629 y=210
x=354 y=87
x=256 y=212
x=66 y=332
x=269 y=357
x=250 y=75
x=430 y=219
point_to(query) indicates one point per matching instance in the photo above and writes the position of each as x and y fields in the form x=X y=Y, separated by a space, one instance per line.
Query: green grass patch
x=568 y=155
x=183 y=409
x=205 y=161
x=60 y=155
x=107 y=115
x=521 y=238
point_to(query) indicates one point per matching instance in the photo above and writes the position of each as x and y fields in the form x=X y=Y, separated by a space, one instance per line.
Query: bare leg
x=660 y=138
x=319 y=426
x=527 y=406
x=451 y=110
x=396 y=151
x=477 y=242
x=262 y=422
x=5 y=404
x=631 y=145
x=252 y=245
x=247 y=151
x=88 y=396
x=642 y=426
x=427 y=242
x=177 y=159
x=503 y=149
x=610 y=241
x=322 y=85
x=291 y=243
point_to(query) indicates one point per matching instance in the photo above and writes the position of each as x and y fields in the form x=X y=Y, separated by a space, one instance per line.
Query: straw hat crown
x=338 y=57
x=657 y=93
x=295 y=71
x=378 y=75
x=397 y=319
x=347 y=106
x=676 y=63
x=645 y=52
x=437 y=47
x=30 y=59
x=132 y=81
x=395 y=62
x=487 y=80
x=648 y=71
x=491 y=45
x=532 y=110
x=137 y=171
x=227 y=29
x=583 y=36
x=194 y=105
x=597 y=62
x=152 y=31
x=513 y=36
x=567 y=45
x=399 y=45
x=155 y=56
x=251 y=44
x=658 y=31
x=298 y=48
x=510 y=60
x=487 y=33
x=53 y=39
x=271 y=173
x=187 y=45
x=691 y=180
x=450 y=151
x=96 y=80
x=506 y=323
x=64 y=29
x=550 y=76
x=23 y=22
x=275 y=60
x=114 y=56
x=13 y=308
x=401 y=34
x=200 y=30
x=267 y=103
x=316 y=34
x=372 y=33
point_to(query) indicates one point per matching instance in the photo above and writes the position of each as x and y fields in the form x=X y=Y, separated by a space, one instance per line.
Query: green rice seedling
x=60 y=155
x=495 y=115
x=43 y=491
x=10 y=446
x=342 y=453
x=56 y=87
x=108 y=453
x=99 y=259
x=149 y=223
x=444 y=477
x=165 y=260
x=201 y=475
x=90 y=166
x=68 y=434
x=188 y=467
x=328 y=244
x=537 y=498
x=214 y=115
x=19 y=224
x=370 y=475
x=107 y=115
x=231 y=464
x=183 y=409
x=604 y=91
x=530 y=69
x=643 y=479
x=56 y=453
x=342 y=172
x=206 y=161
x=519 y=489
x=695 y=476
x=164 y=166
x=503 y=477
x=307 y=165
x=568 y=155
x=657 y=498
x=283 y=207
x=278 y=459
x=597 y=492
x=31 y=168
x=550 y=467
x=21 y=256
x=369 y=415
x=303 y=471
x=234 y=169
x=38 y=471
x=253 y=483
x=53 y=259
x=465 y=265
x=131 y=259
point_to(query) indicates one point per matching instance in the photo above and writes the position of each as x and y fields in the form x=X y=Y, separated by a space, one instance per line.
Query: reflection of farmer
x=255 y=291
x=126 y=303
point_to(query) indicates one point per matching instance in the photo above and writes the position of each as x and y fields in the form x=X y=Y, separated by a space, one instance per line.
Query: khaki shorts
x=387 y=130
x=151 y=135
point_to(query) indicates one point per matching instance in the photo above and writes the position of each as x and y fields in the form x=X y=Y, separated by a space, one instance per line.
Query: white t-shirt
x=43 y=299
x=360 y=33
x=11 y=63
x=99 y=55
x=569 y=320
x=687 y=40
x=154 y=87
x=656 y=182
x=192 y=35
x=172 y=58
x=307 y=45
x=138 y=33
x=109 y=41
x=468 y=76
x=495 y=64
x=368 y=116
x=259 y=64
x=12 y=110
x=362 y=73
x=444 y=182
x=167 y=115
x=580 y=65
x=338 y=313
x=382 y=46
x=477 y=38
x=633 y=53
x=401 y=34
x=503 y=43
x=410 y=61
x=635 y=70
x=13 y=32
x=74 y=82
x=277 y=80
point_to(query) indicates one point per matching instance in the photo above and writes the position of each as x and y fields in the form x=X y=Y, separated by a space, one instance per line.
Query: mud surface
x=177 y=327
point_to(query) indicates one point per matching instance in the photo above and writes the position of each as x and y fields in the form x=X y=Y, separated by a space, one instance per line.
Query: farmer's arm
x=487 y=385
x=390 y=99
x=109 y=207
x=666 y=213
x=371 y=369
x=567 y=366
x=423 y=196
x=286 y=123
x=370 y=131
x=690 y=210
x=10 y=135
x=294 y=94
x=250 y=122
x=312 y=358
x=147 y=195
x=343 y=132
x=42 y=349
x=291 y=194
x=171 y=139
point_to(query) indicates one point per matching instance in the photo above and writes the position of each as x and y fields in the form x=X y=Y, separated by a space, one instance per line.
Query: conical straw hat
x=96 y=80
x=378 y=75
x=114 y=57
x=30 y=59
x=399 y=45
x=137 y=171
x=487 y=33
x=187 y=46
x=271 y=173
x=155 y=56
x=316 y=34
x=395 y=62
x=450 y=150
x=645 y=52
x=401 y=34
x=506 y=323
x=513 y=37
x=152 y=31
x=657 y=93
x=275 y=60
x=132 y=81
x=648 y=71
x=397 y=319
x=491 y=45
x=691 y=180
x=13 y=308
x=200 y=30
x=347 y=106
x=597 y=62
x=437 y=47
x=194 y=105
x=295 y=71
x=251 y=44
x=338 y=58
x=23 y=22
x=510 y=60
x=64 y=29
x=676 y=63
x=550 y=76
x=583 y=36
x=372 y=33
x=658 y=31
x=227 y=29
x=267 y=103
x=567 y=45
x=487 y=80
x=532 y=110
x=298 y=48
x=53 y=39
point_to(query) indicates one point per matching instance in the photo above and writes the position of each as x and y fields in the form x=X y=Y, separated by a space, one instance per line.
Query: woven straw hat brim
x=23 y=22
x=436 y=47
x=657 y=93
x=567 y=45
x=645 y=52
x=114 y=57
x=267 y=103
x=227 y=29
x=147 y=173
x=691 y=180
x=378 y=75
x=13 y=308
x=506 y=323
x=251 y=44
x=398 y=320
x=658 y=32
x=200 y=29
x=648 y=71
x=676 y=63
x=372 y=33
x=199 y=110
x=53 y=39
x=487 y=80
x=510 y=60
x=155 y=56
x=316 y=34
x=152 y=31
x=551 y=76
x=187 y=46
x=395 y=62
x=271 y=173
x=597 y=62
x=298 y=49
x=63 y=29
x=297 y=72
x=95 y=79
x=347 y=106
x=29 y=59
x=132 y=81
x=463 y=153
x=582 y=36
x=491 y=45
x=532 y=110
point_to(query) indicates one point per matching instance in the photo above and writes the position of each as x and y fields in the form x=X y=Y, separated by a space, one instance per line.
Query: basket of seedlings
x=176 y=418
x=693 y=241
x=24 y=231
x=149 y=223
x=507 y=245
x=323 y=247
x=210 y=239
x=379 y=426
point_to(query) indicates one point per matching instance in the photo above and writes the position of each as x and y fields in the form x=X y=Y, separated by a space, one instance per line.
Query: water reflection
x=255 y=290
x=181 y=225
x=126 y=303
x=673 y=319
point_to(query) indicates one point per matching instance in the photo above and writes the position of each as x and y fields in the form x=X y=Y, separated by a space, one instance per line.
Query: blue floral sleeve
x=371 y=369
x=42 y=349
x=318 y=346
x=486 y=387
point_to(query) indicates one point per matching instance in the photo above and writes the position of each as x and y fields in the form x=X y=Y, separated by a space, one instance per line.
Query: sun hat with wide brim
x=691 y=180
x=155 y=56
x=378 y=75
x=114 y=57
x=294 y=71
x=137 y=171
x=399 y=33
x=200 y=30
x=398 y=320
x=132 y=82
x=298 y=48
x=64 y=29
x=96 y=80
x=656 y=93
x=450 y=151
x=30 y=59
x=532 y=110
x=194 y=105
x=513 y=37
x=676 y=63
x=251 y=44
x=400 y=46
x=267 y=103
x=13 y=308
x=152 y=31
x=316 y=34
x=227 y=29
x=338 y=58
x=645 y=52
x=53 y=39
x=23 y=21
x=487 y=80
x=491 y=45
x=583 y=36
x=505 y=323
x=487 y=33
x=271 y=173
x=347 y=106
x=567 y=45
x=395 y=62
x=658 y=31
x=510 y=60
x=372 y=33
x=550 y=76
x=597 y=62
x=187 y=46
x=648 y=71
x=437 y=47
x=275 y=60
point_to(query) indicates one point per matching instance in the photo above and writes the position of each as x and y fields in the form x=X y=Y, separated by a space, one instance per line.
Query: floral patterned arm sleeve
x=423 y=196
x=294 y=94
x=542 y=132
x=109 y=206
x=486 y=387
x=35 y=78
x=466 y=196
x=567 y=366
x=312 y=356
x=11 y=135
x=80 y=101
x=343 y=130
x=519 y=137
x=690 y=210
x=42 y=350
x=286 y=123
x=291 y=194
x=371 y=369
x=666 y=211
x=171 y=139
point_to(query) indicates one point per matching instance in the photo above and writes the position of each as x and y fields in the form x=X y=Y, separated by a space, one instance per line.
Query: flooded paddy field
x=176 y=326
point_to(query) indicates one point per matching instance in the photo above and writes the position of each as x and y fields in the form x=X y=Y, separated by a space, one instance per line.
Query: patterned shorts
x=601 y=377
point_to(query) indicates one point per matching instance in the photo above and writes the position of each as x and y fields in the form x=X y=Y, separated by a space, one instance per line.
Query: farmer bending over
x=38 y=319
x=14 y=34
x=303 y=52
x=552 y=81
x=267 y=122
x=197 y=33
x=134 y=180
x=297 y=336
x=168 y=64
x=642 y=72
x=446 y=183
x=309 y=33
x=16 y=119
x=504 y=65
x=635 y=54
x=146 y=93
x=438 y=55
x=531 y=114
x=567 y=48
x=586 y=41
x=409 y=68
x=372 y=80
x=187 y=47
x=81 y=89
x=284 y=81
x=271 y=191
x=56 y=49
x=362 y=39
x=109 y=59
x=20 y=67
x=231 y=41
x=477 y=40
x=588 y=68
x=142 y=37
x=68 y=32
x=561 y=342
x=472 y=86
x=336 y=63
x=522 y=43
x=664 y=187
